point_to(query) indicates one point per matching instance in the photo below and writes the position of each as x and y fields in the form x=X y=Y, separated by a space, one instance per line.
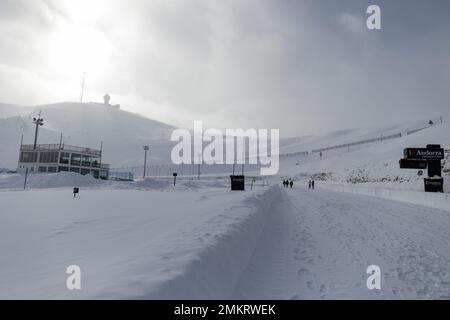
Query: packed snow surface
x=212 y=243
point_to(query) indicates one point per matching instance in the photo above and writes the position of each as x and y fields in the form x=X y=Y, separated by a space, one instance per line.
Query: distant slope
x=340 y=137
x=11 y=110
x=123 y=133
x=376 y=162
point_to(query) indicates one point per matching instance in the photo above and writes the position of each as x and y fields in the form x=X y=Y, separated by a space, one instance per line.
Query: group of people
x=288 y=183
x=311 y=184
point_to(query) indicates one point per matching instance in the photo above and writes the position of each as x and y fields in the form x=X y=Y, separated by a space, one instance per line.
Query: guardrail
x=62 y=147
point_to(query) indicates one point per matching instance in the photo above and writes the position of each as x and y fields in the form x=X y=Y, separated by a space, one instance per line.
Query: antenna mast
x=82 y=87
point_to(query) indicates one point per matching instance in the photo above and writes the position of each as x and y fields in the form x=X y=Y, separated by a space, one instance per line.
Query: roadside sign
x=434 y=185
x=237 y=183
x=424 y=154
x=413 y=164
x=422 y=158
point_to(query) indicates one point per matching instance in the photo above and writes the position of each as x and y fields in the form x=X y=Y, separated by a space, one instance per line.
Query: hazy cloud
x=302 y=66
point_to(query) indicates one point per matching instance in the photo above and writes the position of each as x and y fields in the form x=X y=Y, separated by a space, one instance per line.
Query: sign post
x=175 y=179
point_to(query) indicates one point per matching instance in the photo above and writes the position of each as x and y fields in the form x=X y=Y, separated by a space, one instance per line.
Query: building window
x=95 y=173
x=86 y=161
x=48 y=157
x=51 y=169
x=42 y=169
x=64 y=158
x=76 y=159
x=63 y=169
x=28 y=157
x=85 y=171
x=77 y=170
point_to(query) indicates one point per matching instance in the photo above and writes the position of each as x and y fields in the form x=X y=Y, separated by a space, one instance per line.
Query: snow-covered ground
x=267 y=243
x=149 y=239
x=318 y=245
x=128 y=243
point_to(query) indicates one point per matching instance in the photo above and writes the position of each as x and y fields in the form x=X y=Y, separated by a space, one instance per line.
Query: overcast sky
x=301 y=66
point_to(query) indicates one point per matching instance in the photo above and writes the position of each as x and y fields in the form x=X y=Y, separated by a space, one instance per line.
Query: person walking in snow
x=309 y=184
x=291 y=184
x=312 y=184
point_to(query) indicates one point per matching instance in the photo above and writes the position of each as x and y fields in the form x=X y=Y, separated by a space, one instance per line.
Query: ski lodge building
x=50 y=158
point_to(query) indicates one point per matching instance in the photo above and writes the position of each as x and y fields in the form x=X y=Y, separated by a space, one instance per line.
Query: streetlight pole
x=38 y=122
x=146 y=148
x=199 y=165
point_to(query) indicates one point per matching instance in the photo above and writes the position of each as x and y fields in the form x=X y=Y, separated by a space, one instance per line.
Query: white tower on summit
x=106 y=99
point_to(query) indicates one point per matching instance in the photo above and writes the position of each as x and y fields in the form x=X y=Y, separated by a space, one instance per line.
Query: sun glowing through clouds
x=77 y=45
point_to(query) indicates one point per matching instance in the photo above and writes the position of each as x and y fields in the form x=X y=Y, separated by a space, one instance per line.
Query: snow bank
x=214 y=268
x=432 y=200
x=50 y=180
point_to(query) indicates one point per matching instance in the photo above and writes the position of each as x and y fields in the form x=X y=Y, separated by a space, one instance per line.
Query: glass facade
x=64 y=158
x=48 y=157
x=75 y=160
x=28 y=157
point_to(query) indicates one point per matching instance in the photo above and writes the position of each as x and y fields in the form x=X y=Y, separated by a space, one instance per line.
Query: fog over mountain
x=301 y=66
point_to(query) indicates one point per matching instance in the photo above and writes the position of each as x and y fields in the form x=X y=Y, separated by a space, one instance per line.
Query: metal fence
x=62 y=147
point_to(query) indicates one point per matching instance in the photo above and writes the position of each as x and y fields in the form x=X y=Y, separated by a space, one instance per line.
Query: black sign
x=424 y=153
x=175 y=174
x=434 y=185
x=237 y=183
x=413 y=164
x=429 y=157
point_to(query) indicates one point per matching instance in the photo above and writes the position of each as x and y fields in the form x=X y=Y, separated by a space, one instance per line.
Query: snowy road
x=318 y=244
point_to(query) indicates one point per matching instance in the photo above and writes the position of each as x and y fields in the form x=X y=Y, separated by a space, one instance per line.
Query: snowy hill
x=376 y=162
x=123 y=133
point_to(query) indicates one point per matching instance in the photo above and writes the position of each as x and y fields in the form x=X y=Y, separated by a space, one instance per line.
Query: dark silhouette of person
x=312 y=184
x=291 y=184
x=309 y=184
